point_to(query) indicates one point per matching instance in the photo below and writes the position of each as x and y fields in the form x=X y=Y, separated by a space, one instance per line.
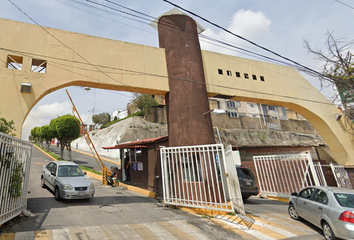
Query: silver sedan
x=66 y=180
x=329 y=208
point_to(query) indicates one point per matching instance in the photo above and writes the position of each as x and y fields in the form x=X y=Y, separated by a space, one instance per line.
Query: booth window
x=14 y=62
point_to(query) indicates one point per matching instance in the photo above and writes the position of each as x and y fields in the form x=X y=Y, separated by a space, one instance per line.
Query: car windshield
x=70 y=171
x=345 y=199
x=244 y=173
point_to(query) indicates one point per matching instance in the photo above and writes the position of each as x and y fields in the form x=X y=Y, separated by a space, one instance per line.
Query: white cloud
x=246 y=23
x=41 y=115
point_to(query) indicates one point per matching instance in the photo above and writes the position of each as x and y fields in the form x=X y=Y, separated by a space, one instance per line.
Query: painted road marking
x=249 y=227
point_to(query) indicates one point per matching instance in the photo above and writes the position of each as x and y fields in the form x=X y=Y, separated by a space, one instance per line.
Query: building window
x=262 y=78
x=39 y=66
x=242 y=114
x=228 y=73
x=251 y=105
x=220 y=71
x=254 y=77
x=231 y=104
x=271 y=108
x=246 y=75
x=232 y=114
x=238 y=104
x=238 y=74
x=14 y=62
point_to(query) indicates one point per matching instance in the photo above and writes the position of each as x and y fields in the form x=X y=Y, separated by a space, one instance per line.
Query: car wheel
x=57 y=194
x=42 y=182
x=327 y=232
x=293 y=213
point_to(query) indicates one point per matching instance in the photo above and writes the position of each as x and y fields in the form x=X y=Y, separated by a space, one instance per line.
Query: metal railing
x=15 y=162
x=195 y=176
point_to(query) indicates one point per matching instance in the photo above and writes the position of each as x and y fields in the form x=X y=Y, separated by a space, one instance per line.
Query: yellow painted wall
x=84 y=60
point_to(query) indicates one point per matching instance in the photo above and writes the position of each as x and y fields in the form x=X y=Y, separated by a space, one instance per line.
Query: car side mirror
x=294 y=194
x=53 y=173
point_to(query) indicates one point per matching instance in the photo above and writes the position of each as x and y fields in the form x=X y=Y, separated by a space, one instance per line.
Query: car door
x=317 y=207
x=51 y=176
x=303 y=201
x=46 y=173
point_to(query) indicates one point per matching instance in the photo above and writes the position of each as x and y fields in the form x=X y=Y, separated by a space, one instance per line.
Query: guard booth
x=145 y=163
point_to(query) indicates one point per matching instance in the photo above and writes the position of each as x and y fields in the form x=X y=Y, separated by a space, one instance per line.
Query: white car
x=66 y=180
x=329 y=208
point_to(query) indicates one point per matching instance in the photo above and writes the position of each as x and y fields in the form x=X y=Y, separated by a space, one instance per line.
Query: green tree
x=47 y=135
x=101 y=118
x=144 y=102
x=65 y=129
x=36 y=134
x=7 y=127
x=338 y=70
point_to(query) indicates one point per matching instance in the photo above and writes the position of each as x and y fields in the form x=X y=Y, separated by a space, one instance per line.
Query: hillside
x=130 y=129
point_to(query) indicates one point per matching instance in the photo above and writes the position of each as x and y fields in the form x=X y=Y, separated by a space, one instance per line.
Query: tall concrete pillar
x=189 y=120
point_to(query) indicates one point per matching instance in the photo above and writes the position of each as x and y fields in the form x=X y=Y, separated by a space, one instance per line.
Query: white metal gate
x=15 y=162
x=341 y=176
x=198 y=177
x=280 y=175
x=320 y=175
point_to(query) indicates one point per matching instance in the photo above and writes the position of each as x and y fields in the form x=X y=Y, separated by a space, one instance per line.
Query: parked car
x=247 y=182
x=66 y=180
x=329 y=208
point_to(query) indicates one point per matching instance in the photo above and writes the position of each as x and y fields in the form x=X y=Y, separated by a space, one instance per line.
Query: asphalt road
x=86 y=160
x=116 y=208
x=110 y=207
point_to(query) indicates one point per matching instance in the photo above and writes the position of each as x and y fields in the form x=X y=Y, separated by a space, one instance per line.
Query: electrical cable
x=214 y=85
x=249 y=41
x=202 y=35
x=344 y=4
x=61 y=41
x=188 y=80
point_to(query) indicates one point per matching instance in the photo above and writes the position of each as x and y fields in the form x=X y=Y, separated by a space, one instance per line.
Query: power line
x=188 y=80
x=162 y=22
x=81 y=3
x=344 y=4
x=249 y=41
x=197 y=82
x=62 y=42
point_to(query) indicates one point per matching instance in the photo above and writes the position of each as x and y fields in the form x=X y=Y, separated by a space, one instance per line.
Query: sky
x=279 y=25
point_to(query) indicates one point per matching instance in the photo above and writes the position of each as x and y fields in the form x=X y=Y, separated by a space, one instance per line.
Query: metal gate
x=341 y=176
x=280 y=175
x=199 y=177
x=15 y=162
x=320 y=174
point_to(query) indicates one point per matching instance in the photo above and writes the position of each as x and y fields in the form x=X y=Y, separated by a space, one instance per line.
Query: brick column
x=187 y=100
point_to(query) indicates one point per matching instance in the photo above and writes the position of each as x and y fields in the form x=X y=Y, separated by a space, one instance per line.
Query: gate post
x=313 y=170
